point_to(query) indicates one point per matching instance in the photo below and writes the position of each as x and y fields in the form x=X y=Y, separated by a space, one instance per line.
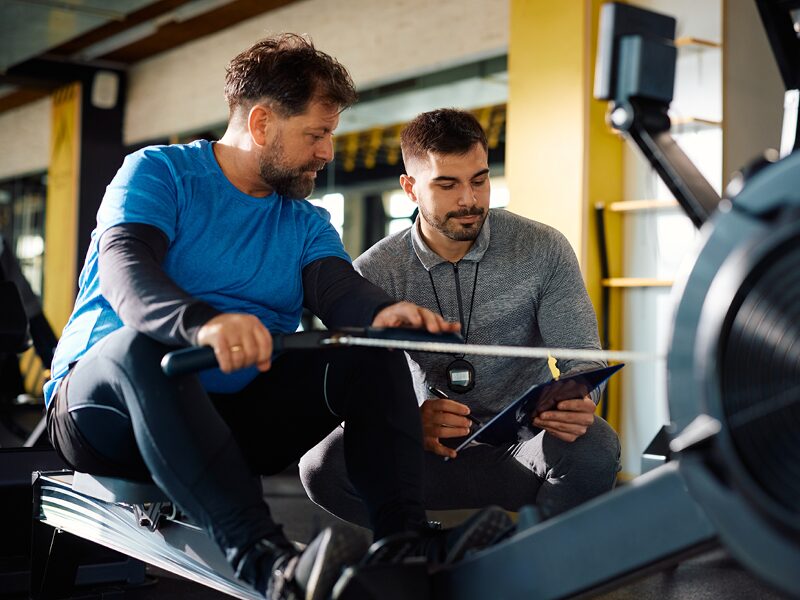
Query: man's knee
x=373 y=380
x=136 y=355
x=378 y=363
x=128 y=346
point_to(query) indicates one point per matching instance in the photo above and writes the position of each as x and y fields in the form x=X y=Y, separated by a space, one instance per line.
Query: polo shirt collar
x=430 y=259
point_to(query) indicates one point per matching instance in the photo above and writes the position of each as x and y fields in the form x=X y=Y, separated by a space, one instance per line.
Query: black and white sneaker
x=443 y=547
x=311 y=574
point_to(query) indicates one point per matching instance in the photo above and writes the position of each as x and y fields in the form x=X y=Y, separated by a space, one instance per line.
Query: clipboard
x=513 y=423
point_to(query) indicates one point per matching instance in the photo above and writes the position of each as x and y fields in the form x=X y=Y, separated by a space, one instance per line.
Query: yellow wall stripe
x=60 y=277
x=561 y=158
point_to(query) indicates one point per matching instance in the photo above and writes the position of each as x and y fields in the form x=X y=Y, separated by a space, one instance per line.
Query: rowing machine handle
x=188 y=360
x=199 y=358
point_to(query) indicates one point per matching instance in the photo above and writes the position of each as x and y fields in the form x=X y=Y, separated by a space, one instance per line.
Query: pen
x=440 y=394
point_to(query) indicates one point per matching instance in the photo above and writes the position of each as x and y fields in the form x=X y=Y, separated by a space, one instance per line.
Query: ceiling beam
x=76 y=8
x=149 y=12
x=47 y=73
x=173 y=24
x=172 y=34
x=21 y=97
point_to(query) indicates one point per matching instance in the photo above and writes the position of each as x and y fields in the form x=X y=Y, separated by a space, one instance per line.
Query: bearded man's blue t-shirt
x=236 y=252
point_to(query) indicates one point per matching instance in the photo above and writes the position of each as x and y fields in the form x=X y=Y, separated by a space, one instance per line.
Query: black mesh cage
x=760 y=373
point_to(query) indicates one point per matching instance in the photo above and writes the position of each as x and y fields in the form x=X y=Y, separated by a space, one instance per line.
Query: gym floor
x=711 y=575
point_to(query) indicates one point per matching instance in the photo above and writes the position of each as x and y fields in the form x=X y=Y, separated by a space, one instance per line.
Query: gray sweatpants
x=553 y=475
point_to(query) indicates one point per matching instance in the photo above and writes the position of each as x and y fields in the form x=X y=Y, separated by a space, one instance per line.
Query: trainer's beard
x=458 y=232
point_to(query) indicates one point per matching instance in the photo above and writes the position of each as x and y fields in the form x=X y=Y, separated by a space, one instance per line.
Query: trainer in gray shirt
x=527 y=290
x=508 y=280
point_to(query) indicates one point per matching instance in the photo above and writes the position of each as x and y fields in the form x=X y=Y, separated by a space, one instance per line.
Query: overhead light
x=105 y=89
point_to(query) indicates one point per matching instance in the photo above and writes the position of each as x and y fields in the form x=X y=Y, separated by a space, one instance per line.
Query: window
x=22 y=204
x=334 y=204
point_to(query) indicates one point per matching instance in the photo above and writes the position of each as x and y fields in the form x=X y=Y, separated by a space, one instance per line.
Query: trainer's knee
x=323 y=472
x=600 y=446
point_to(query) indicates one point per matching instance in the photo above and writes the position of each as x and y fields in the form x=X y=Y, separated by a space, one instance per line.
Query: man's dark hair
x=442 y=131
x=287 y=71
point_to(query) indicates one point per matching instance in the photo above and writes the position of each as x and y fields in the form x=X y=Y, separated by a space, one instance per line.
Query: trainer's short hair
x=287 y=71
x=442 y=131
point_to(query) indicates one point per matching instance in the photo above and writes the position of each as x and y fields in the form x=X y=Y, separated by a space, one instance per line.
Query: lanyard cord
x=458 y=295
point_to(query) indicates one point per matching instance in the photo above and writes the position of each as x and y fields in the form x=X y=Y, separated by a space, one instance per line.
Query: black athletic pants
x=117 y=414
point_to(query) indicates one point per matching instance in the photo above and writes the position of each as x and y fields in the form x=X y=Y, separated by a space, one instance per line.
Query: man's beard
x=286 y=181
x=459 y=232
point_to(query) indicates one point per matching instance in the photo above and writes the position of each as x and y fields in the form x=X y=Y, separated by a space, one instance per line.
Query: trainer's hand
x=443 y=419
x=405 y=314
x=239 y=341
x=570 y=420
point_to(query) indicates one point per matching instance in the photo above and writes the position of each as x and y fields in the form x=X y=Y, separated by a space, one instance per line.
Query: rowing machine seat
x=113 y=489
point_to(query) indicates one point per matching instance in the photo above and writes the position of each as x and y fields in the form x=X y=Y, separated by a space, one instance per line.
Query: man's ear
x=407 y=183
x=258 y=120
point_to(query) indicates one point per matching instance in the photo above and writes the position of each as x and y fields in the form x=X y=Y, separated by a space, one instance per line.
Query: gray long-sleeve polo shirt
x=528 y=292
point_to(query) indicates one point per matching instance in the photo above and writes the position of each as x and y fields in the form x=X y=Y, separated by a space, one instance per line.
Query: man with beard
x=212 y=244
x=507 y=280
